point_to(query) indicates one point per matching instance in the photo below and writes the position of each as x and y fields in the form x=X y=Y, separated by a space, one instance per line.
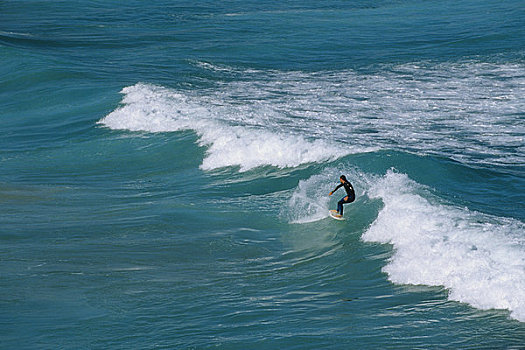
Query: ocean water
x=165 y=169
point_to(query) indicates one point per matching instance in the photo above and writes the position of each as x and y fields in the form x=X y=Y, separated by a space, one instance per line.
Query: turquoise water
x=165 y=170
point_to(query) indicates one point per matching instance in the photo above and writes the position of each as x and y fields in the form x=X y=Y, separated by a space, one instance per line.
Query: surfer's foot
x=336 y=213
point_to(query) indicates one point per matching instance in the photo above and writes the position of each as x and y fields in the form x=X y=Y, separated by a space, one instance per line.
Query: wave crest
x=156 y=109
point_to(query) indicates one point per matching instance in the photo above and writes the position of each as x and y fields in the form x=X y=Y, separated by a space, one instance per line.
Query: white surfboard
x=335 y=215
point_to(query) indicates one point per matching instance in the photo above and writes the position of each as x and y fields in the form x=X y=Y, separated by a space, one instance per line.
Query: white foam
x=479 y=258
x=468 y=111
x=250 y=148
x=156 y=109
x=310 y=200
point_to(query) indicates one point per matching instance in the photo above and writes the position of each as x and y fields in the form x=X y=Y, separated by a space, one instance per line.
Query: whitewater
x=467 y=111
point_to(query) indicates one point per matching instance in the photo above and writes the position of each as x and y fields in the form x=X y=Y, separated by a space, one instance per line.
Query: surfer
x=350 y=195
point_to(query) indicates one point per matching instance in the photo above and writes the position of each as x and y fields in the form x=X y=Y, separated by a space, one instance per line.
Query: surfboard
x=333 y=214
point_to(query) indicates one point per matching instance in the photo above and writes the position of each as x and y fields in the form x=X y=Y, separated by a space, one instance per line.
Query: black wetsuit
x=349 y=192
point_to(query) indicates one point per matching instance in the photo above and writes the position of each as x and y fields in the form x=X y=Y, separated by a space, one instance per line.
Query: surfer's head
x=343 y=178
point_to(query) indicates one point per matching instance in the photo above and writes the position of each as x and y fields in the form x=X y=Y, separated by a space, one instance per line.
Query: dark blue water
x=165 y=170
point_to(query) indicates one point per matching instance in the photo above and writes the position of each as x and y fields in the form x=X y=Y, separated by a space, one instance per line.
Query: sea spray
x=310 y=201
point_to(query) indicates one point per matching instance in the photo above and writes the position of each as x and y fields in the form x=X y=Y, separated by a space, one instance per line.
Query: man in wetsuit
x=350 y=194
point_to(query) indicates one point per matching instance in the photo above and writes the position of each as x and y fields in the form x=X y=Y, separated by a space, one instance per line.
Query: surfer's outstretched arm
x=336 y=188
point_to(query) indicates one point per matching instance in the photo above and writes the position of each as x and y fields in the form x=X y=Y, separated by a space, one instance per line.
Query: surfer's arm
x=338 y=186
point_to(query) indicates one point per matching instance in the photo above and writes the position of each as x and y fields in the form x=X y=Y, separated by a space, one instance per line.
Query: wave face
x=479 y=258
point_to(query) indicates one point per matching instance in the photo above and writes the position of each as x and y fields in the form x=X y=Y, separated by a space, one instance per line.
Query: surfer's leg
x=343 y=201
x=340 y=206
